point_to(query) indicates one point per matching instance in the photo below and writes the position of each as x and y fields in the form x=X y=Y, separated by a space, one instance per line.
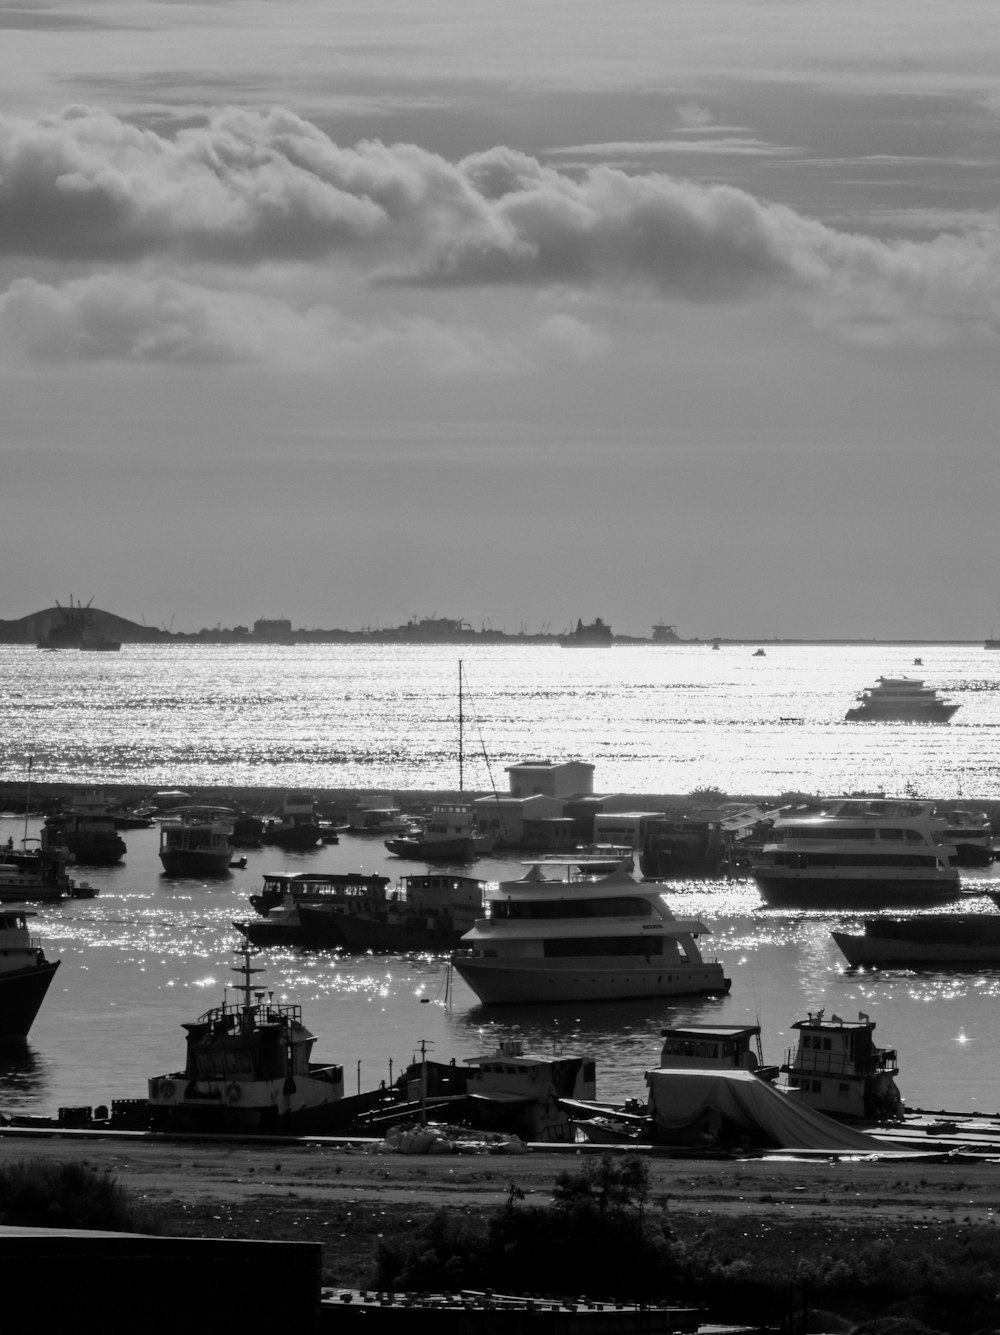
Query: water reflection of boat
x=25 y=975
x=575 y=938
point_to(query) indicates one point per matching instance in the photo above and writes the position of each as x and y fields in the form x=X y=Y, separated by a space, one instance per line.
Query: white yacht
x=557 y=935
x=864 y=851
x=900 y=700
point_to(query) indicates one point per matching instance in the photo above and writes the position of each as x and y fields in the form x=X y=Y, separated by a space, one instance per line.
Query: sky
x=679 y=310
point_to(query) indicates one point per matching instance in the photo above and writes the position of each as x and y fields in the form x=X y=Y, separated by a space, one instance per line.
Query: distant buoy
x=425 y=1001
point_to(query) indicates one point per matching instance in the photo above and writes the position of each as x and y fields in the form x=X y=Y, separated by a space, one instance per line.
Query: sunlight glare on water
x=149 y=954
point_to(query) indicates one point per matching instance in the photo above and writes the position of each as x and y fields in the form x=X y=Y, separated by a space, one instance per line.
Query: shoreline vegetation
x=912 y=1244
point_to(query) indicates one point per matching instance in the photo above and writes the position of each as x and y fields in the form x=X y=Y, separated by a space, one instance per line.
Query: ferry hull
x=857 y=891
x=499 y=982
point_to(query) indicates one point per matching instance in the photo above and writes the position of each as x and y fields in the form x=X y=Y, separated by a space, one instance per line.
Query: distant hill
x=37 y=625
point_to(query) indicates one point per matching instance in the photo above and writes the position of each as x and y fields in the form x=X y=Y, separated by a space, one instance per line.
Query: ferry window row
x=860 y=832
x=619 y=907
x=559 y=947
x=803 y=860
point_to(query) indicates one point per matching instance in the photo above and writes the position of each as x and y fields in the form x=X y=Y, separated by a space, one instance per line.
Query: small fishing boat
x=25 y=975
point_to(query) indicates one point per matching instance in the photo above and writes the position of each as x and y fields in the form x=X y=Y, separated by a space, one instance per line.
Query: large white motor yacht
x=558 y=935
x=900 y=700
x=868 y=852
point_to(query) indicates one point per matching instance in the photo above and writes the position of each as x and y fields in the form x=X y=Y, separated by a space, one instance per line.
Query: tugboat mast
x=246 y=969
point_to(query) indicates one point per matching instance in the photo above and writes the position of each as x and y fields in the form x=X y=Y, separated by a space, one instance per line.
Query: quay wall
x=333 y=802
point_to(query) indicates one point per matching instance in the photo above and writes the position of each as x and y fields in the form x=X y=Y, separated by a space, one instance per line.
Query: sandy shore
x=161 y=1171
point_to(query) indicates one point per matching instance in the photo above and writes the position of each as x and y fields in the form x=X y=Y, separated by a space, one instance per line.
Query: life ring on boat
x=165 y=1090
x=233 y=1092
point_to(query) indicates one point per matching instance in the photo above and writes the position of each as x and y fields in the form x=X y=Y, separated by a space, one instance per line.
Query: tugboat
x=25 y=975
x=837 y=1069
x=247 y=1069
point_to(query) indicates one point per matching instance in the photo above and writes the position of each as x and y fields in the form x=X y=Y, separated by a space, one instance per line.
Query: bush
x=36 y=1193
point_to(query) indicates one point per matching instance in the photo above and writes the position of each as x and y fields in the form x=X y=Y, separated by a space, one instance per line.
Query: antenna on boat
x=27 y=805
x=246 y=969
x=461 y=723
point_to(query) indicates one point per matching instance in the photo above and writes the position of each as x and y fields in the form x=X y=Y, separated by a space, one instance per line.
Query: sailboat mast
x=461 y=729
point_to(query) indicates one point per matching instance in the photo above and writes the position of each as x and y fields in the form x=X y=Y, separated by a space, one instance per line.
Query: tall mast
x=461 y=726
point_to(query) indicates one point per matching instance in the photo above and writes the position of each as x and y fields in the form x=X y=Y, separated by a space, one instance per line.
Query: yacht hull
x=933 y=941
x=499 y=982
x=873 y=891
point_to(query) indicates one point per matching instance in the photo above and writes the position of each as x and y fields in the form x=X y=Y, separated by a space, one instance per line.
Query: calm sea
x=149 y=953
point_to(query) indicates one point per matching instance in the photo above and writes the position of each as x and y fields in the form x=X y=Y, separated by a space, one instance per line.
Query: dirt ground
x=348 y=1198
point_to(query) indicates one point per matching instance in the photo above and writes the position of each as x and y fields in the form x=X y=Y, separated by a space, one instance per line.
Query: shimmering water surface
x=149 y=953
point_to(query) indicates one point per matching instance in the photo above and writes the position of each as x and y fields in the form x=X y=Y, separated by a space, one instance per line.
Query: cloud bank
x=248 y=191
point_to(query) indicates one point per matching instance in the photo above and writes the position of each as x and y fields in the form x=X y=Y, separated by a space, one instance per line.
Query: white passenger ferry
x=865 y=852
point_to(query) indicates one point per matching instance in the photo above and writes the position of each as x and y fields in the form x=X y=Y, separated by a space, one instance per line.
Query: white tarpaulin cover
x=681 y=1099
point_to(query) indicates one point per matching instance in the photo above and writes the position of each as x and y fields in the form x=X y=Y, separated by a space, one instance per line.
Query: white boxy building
x=504 y=816
x=568 y=778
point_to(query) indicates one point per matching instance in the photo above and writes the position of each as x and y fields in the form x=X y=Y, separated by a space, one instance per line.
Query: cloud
x=638 y=148
x=123 y=318
x=249 y=189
